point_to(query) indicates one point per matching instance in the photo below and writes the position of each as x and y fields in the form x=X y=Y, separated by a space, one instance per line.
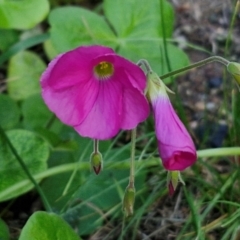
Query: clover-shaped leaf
x=139 y=18
x=22 y=14
x=81 y=28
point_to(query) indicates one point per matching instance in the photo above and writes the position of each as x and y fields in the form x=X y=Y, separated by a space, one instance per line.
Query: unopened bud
x=96 y=162
x=234 y=69
x=173 y=178
x=128 y=201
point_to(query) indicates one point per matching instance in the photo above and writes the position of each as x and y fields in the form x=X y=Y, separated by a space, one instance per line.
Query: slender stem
x=197 y=64
x=95 y=145
x=143 y=62
x=234 y=17
x=132 y=158
x=219 y=152
x=24 y=167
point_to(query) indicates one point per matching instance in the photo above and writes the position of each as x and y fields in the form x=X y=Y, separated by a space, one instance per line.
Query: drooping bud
x=234 y=69
x=96 y=162
x=175 y=145
x=173 y=178
x=128 y=201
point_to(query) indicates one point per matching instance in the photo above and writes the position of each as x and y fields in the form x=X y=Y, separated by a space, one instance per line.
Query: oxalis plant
x=107 y=75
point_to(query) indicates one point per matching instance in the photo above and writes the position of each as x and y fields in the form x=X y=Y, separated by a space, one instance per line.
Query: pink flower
x=96 y=91
x=175 y=145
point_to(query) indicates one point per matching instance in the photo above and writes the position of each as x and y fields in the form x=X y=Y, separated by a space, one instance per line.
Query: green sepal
x=96 y=162
x=173 y=178
x=234 y=69
x=128 y=201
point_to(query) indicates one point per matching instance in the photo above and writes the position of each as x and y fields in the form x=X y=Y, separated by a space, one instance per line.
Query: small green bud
x=128 y=201
x=234 y=69
x=173 y=178
x=96 y=162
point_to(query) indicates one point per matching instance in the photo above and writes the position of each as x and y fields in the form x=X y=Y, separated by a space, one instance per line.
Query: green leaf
x=22 y=14
x=9 y=112
x=49 y=49
x=33 y=119
x=24 y=71
x=154 y=53
x=32 y=149
x=10 y=37
x=139 y=18
x=4 y=232
x=81 y=28
x=47 y=226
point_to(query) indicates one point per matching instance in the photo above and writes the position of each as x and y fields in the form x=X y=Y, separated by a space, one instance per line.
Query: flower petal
x=135 y=108
x=175 y=145
x=72 y=67
x=135 y=75
x=129 y=73
x=104 y=119
x=71 y=105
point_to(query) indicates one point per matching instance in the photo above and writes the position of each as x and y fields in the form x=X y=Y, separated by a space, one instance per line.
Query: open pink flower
x=175 y=145
x=96 y=91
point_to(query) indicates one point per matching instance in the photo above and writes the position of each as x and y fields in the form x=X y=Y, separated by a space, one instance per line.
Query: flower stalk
x=197 y=64
x=129 y=195
x=132 y=158
x=143 y=62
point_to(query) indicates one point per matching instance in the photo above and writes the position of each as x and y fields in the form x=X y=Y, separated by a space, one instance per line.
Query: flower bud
x=128 y=201
x=96 y=162
x=173 y=178
x=234 y=69
x=175 y=145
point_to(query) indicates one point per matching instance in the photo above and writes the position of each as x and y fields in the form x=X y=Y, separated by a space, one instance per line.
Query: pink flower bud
x=175 y=145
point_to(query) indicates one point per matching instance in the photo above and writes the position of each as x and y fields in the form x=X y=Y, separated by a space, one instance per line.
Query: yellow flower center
x=103 y=70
